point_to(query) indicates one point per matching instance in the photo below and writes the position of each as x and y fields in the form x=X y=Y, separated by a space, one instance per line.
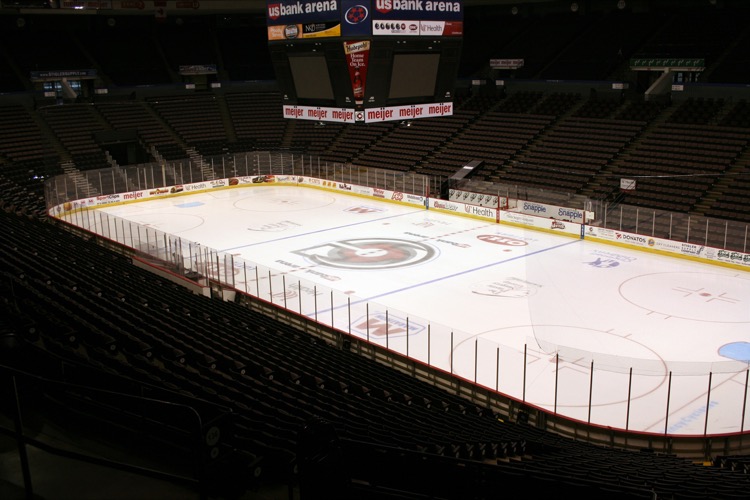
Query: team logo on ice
x=499 y=239
x=603 y=263
x=509 y=287
x=363 y=209
x=274 y=226
x=381 y=325
x=369 y=253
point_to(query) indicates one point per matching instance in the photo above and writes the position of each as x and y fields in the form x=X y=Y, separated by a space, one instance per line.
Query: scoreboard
x=365 y=60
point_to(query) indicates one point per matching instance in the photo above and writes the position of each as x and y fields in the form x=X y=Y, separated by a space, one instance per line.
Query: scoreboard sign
x=297 y=19
x=293 y=20
x=417 y=18
x=365 y=60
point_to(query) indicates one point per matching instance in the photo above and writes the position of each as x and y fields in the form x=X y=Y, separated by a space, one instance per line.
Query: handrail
x=13 y=374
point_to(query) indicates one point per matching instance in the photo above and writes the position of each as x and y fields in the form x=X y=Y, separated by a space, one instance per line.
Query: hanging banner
x=357 y=55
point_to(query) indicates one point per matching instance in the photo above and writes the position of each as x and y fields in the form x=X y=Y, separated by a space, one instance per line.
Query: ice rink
x=597 y=332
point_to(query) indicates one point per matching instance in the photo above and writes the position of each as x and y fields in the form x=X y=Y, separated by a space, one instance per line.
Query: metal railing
x=699 y=230
x=173 y=418
x=502 y=369
x=680 y=227
x=141 y=177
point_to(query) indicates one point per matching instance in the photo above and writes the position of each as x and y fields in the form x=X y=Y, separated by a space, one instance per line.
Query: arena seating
x=74 y=127
x=315 y=417
x=255 y=116
x=152 y=131
x=352 y=141
x=26 y=153
x=125 y=321
x=197 y=119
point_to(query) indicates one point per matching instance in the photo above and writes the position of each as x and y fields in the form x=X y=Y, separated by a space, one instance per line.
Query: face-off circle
x=714 y=298
x=272 y=199
x=175 y=223
x=571 y=350
x=369 y=253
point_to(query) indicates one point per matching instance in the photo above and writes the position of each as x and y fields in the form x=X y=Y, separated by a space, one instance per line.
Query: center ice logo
x=369 y=253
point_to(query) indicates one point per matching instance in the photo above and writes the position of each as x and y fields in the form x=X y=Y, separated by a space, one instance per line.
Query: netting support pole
x=591 y=389
x=630 y=389
x=557 y=372
x=451 y=352
x=476 y=358
x=386 y=328
x=497 y=368
x=525 y=355
x=708 y=402
x=407 y=336
x=283 y=288
x=429 y=345
x=669 y=395
x=744 y=402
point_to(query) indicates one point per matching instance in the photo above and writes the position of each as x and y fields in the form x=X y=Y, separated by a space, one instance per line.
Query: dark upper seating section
x=126 y=51
x=541 y=41
x=187 y=42
x=594 y=43
x=242 y=40
x=27 y=154
x=43 y=43
x=506 y=28
x=732 y=66
x=680 y=153
x=11 y=78
x=600 y=52
x=695 y=33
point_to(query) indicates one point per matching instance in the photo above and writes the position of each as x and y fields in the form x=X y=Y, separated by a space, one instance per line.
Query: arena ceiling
x=198 y=7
